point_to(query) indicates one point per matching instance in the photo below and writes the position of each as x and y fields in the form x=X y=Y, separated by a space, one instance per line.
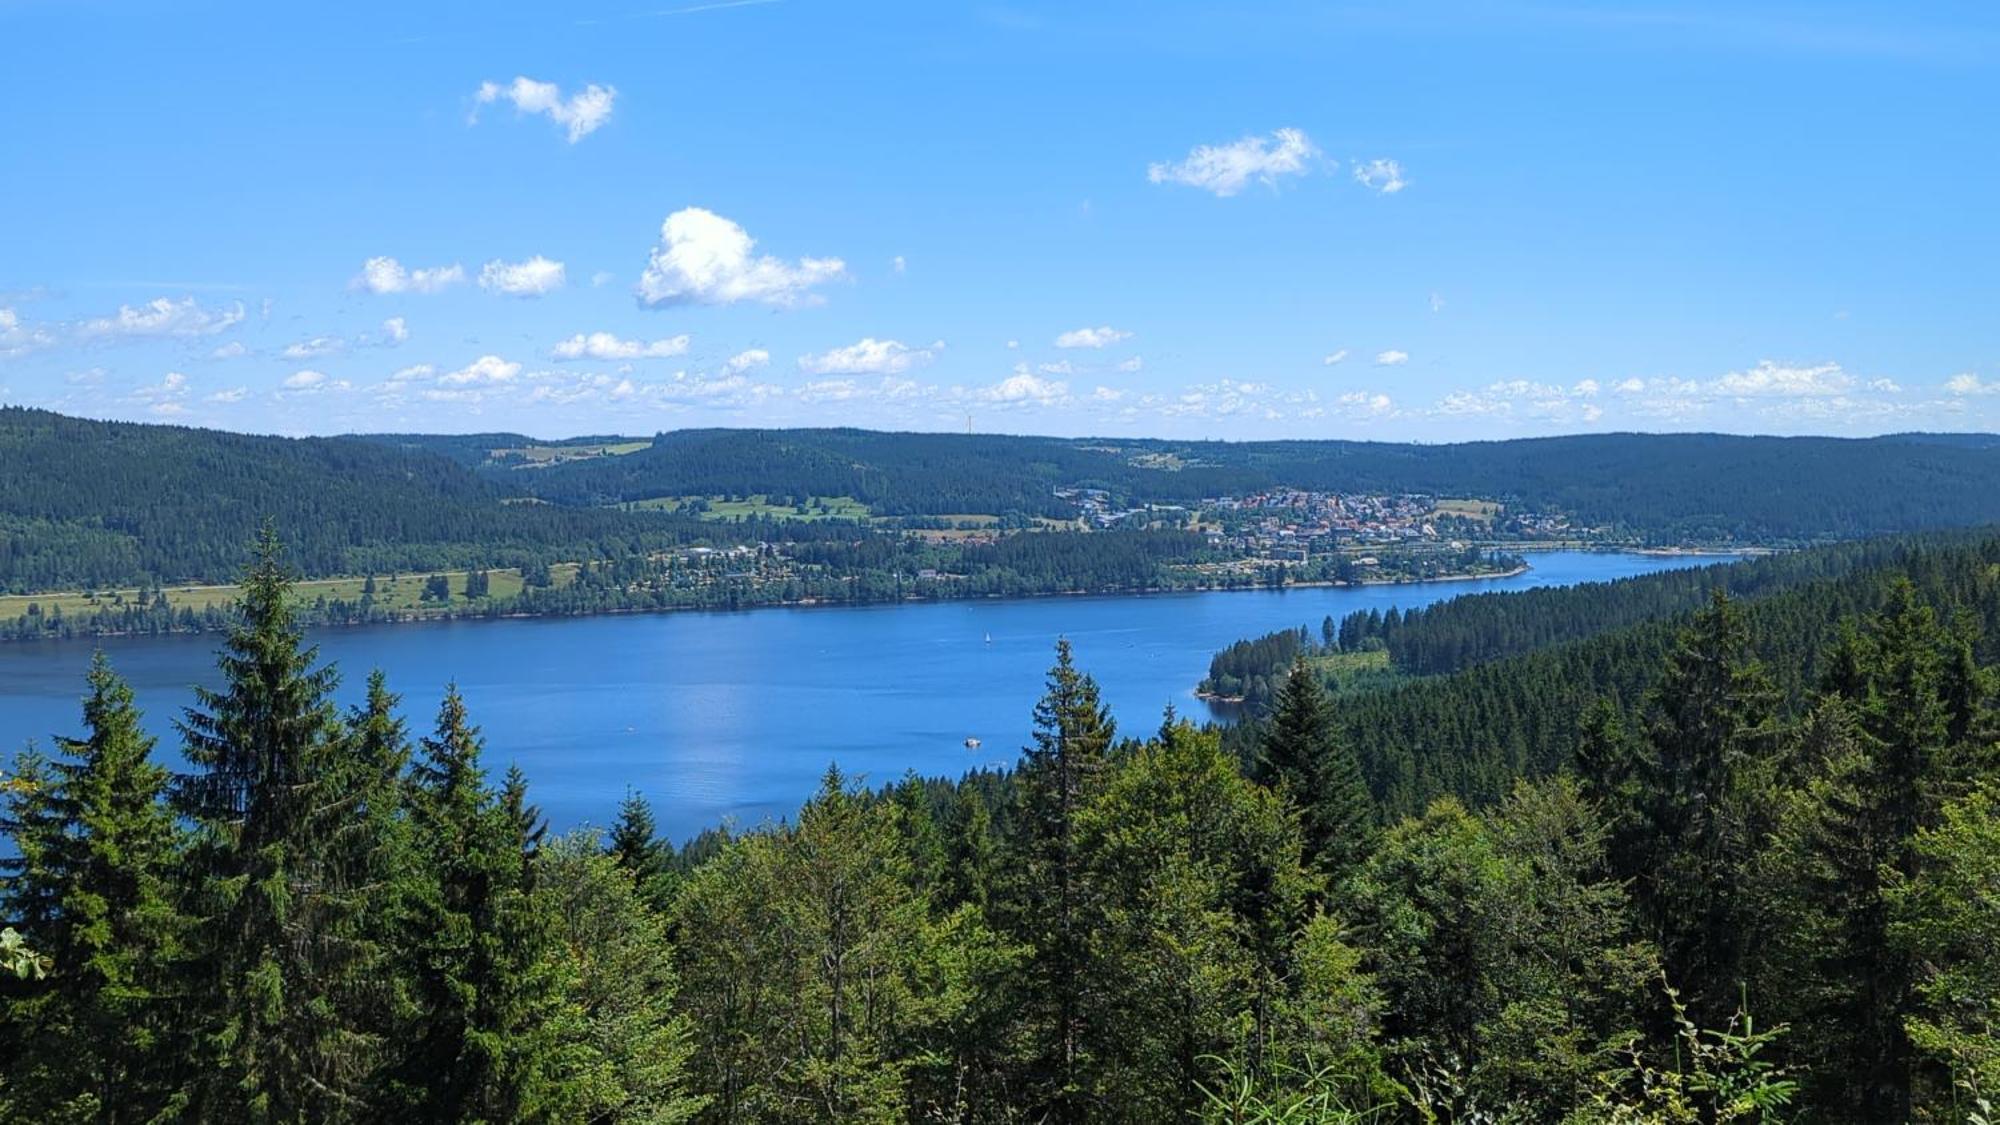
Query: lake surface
x=736 y=715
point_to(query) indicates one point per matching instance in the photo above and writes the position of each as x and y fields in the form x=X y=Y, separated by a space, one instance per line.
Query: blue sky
x=1429 y=221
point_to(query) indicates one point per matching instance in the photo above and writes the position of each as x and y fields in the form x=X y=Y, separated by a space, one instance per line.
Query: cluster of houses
x=1291 y=524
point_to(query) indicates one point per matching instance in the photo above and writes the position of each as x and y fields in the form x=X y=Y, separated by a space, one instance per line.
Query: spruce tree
x=1713 y=719
x=1301 y=756
x=105 y=1042
x=481 y=1049
x=1072 y=736
x=636 y=847
x=281 y=944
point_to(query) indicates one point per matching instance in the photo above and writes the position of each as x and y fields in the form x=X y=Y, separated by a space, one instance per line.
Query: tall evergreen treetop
x=281 y=940
x=1301 y=755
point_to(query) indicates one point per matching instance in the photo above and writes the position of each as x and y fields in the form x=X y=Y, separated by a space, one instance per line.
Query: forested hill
x=88 y=503
x=85 y=502
x=1660 y=488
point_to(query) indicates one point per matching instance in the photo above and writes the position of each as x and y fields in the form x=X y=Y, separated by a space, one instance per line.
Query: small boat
x=972 y=744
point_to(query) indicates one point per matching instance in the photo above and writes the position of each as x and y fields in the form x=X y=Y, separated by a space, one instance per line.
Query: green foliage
x=1790 y=801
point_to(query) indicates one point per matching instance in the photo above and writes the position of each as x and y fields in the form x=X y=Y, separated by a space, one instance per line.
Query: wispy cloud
x=1226 y=169
x=1382 y=175
x=605 y=345
x=1100 y=337
x=581 y=114
x=869 y=356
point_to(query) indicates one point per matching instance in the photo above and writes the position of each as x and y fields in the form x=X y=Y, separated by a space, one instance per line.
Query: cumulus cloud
x=1226 y=169
x=1025 y=388
x=395 y=330
x=531 y=278
x=1102 y=337
x=581 y=113
x=605 y=345
x=747 y=360
x=869 y=356
x=1133 y=365
x=704 y=258
x=385 y=275
x=486 y=371
x=234 y=349
x=233 y=394
x=1970 y=384
x=1381 y=174
x=305 y=380
x=1335 y=357
x=163 y=317
x=1391 y=358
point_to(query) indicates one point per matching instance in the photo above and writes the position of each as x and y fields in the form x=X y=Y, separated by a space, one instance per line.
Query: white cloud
x=18 y=338
x=1383 y=175
x=1335 y=357
x=1970 y=384
x=869 y=357
x=704 y=258
x=1586 y=388
x=164 y=317
x=898 y=264
x=233 y=394
x=165 y=396
x=1768 y=378
x=485 y=371
x=387 y=275
x=1886 y=386
x=1133 y=365
x=305 y=380
x=1226 y=169
x=1366 y=403
x=234 y=349
x=395 y=330
x=1437 y=301
x=604 y=345
x=1391 y=358
x=1102 y=337
x=747 y=360
x=532 y=278
x=581 y=113
x=317 y=346
x=1023 y=387
x=1011 y=344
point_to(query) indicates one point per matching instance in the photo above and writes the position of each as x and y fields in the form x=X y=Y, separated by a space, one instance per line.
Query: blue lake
x=736 y=715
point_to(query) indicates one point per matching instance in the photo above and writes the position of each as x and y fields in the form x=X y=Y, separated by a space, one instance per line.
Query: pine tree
x=280 y=939
x=105 y=1042
x=1301 y=756
x=1049 y=911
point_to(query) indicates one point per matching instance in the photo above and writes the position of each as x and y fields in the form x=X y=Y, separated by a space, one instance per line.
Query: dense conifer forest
x=1731 y=858
x=87 y=504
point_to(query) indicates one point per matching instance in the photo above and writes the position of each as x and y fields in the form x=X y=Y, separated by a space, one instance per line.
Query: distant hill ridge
x=86 y=502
